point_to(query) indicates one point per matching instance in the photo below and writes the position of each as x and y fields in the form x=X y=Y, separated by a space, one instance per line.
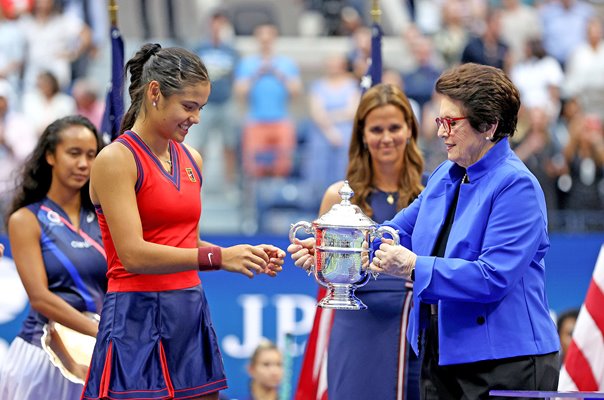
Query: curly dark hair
x=35 y=178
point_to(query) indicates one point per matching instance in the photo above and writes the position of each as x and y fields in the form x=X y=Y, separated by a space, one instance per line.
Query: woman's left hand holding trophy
x=303 y=253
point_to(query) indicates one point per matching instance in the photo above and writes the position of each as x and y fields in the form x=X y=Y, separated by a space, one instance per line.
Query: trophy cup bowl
x=343 y=237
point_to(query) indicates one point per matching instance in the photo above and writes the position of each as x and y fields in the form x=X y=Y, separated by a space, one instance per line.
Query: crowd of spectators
x=553 y=50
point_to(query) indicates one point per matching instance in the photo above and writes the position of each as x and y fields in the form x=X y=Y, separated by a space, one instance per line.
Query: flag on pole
x=374 y=70
x=312 y=384
x=114 y=102
x=583 y=368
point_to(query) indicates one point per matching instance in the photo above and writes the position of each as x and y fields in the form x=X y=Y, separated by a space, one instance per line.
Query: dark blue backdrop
x=244 y=310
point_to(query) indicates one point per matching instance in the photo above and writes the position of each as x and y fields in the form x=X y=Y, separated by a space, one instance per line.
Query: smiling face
x=178 y=112
x=464 y=144
x=386 y=134
x=73 y=157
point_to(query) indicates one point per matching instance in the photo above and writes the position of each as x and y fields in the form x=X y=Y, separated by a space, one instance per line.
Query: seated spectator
x=86 y=95
x=46 y=103
x=266 y=372
x=566 y=325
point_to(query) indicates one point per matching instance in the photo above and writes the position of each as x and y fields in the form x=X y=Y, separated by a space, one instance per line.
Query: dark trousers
x=474 y=380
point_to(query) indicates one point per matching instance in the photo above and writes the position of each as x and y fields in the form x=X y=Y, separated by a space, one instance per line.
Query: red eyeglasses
x=447 y=122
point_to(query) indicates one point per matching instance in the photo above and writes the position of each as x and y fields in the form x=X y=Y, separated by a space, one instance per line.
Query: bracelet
x=209 y=258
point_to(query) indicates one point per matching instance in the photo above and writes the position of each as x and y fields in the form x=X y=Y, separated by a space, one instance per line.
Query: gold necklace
x=169 y=162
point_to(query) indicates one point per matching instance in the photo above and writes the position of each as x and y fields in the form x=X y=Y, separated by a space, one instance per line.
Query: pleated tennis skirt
x=26 y=373
x=155 y=345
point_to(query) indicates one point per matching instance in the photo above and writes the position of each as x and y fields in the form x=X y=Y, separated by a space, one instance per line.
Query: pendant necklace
x=168 y=161
x=390 y=198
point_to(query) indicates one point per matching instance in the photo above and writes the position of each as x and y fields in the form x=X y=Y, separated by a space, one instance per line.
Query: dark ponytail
x=173 y=67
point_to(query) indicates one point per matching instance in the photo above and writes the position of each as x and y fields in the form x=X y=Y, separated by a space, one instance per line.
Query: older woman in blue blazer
x=474 y=243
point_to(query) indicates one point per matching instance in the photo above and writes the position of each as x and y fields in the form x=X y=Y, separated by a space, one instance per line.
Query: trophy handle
x=307 y=226
x=379 y=234
x=294 y=228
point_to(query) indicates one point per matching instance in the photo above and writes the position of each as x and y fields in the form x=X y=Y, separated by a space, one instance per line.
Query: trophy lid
x=345 y=213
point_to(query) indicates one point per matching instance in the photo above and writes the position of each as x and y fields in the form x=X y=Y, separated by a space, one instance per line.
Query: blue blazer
x=490 y=285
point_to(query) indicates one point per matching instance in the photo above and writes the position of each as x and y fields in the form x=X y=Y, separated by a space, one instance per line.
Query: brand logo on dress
x=191 y=175
x=53 y=217
x=80 y=245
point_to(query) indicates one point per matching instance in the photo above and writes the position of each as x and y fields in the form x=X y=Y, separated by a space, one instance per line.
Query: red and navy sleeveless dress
x=156 y=339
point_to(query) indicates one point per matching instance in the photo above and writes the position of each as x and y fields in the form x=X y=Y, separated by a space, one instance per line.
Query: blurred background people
x=265 y=370
x=486 y=46
x=12 y=52
x=566 y=324
x=332 y=102
x=46 y=102
x=519 y=24
x=51 y=34
x=85 y=93
x=539 y=79
x=266 y=82
x=585 y=70
x=17 y=140
x=219 y=121
x=584 y=156
x=564 y=24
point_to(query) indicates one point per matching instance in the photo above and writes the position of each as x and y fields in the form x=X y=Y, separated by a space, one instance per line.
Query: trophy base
x=341 y=297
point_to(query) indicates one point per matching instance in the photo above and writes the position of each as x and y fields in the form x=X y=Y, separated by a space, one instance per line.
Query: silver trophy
x=343 y=237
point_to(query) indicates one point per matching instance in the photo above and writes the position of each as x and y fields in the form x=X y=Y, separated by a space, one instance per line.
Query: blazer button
x=480 y=320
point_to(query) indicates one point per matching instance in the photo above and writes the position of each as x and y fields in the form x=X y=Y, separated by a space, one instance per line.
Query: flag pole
x=112 y=7
x=376 y=12
x=114 y=102
x=374 y=71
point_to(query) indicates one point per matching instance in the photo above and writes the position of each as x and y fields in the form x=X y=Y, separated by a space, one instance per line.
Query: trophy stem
x=341 y=297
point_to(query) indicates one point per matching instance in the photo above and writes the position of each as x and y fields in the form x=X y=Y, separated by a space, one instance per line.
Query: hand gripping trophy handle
x=307 y=226
x=379 y=234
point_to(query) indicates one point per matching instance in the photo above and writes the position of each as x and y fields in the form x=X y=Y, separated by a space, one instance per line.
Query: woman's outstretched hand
x=245 y=259
x=276 y=259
